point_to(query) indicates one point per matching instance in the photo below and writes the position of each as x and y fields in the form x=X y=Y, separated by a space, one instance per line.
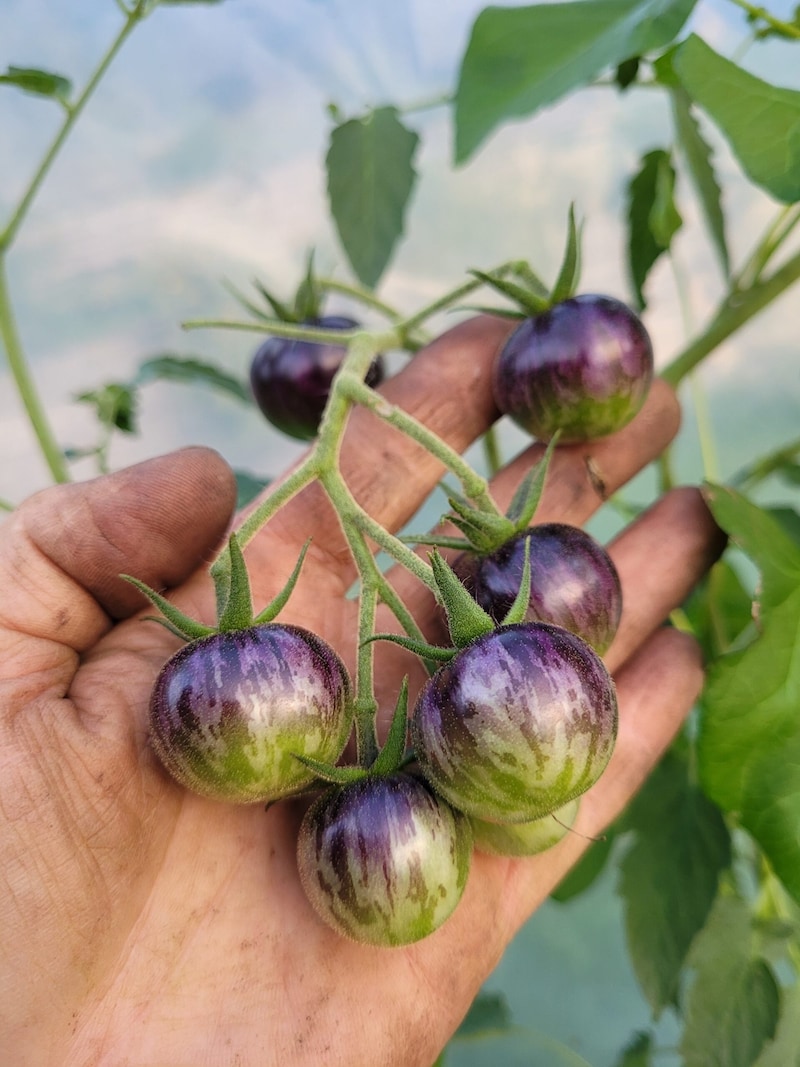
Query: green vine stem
x=736 y=309
x=23 y=379
x=783 y=29
x=754 y=473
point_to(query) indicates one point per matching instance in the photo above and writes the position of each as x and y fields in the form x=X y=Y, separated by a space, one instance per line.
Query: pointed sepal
x=268 y=613
x=308 y=297
x=174 y=619
x=329 y=772
x=419 y=648
x=466 y=619
x=391 y=755
x=280 y=310
x=570 y=272
x=519 y=609
x=238 y=611
x=530 y=302
x=529 y=491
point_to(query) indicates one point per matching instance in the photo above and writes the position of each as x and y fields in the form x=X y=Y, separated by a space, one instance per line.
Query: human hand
x=147 y=926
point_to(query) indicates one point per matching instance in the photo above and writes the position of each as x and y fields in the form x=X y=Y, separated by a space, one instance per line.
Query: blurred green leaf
x=784 y=1049
x=748 y=743
x=488 y=1012
x=516 y=1047
x=248 y=486
x=698 y=158
x=191 y=371
x=38 y=82
x=114 y=405
x=653 y=219
x=760 y=121
x=370 y=178
x=719 y=609
x=734 y=1001
x=669 y=876
x=637 y=1053
x=519 y=59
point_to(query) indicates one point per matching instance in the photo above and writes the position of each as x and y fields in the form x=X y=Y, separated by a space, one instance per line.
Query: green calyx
x=466 y=619
x=233 y=598
x=528 y=292
x=484 y=531
x=306 y=304
x=390 y=758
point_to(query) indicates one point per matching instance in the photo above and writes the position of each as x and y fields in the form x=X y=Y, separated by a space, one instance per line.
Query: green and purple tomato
x=384 y=860
x=518 y=723
x=524 y=838
x=291 y=379
x=583 y=367
x=574 y=582
x=230 y=712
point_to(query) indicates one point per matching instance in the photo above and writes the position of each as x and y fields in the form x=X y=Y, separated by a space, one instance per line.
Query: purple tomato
x=229 y=712
x=583 y=367
x=384 y=860
x=517 y=724
x=524 y=838
x=291 y=379
x=574 y=582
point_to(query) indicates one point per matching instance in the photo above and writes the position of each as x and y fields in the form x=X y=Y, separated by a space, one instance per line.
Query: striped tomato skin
x=229 y=712
x=574 y=582
x=524 y=838
x=383 y=860
x=517 y=724
x=584 y=368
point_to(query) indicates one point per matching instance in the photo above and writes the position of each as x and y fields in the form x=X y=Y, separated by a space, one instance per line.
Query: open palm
x=145 y=926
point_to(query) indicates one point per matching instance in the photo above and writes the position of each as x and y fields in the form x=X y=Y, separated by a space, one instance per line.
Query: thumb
x=62 y=551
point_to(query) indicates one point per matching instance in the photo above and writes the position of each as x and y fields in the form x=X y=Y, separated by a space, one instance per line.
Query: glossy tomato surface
x=574 y=582
x=229 y=712
x=291 y=379
x=517 y=724
x=583 y=367
x=384 y=860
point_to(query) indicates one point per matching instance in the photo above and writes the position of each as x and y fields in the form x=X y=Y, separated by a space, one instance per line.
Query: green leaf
x=514 y=1047
x=784 y=1049
x=760 y=121
x=38 y=82
x=698 y=158
x=191 y=371
x=488 y=1012
x=653 y=219
x=669 y=876
x=637 y=1053
x=114 y=404
x=627 y=72
x=719 y=609
x=370 y=178
x=520 y=59
x=752 y=695
x=734 y=1002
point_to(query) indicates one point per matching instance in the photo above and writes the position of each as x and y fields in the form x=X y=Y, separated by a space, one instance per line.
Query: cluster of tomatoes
x=517 y=722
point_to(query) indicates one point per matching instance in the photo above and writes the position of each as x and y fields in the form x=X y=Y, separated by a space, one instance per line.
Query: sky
x=199 y=161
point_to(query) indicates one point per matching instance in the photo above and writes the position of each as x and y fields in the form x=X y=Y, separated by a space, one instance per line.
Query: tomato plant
x=706 y=860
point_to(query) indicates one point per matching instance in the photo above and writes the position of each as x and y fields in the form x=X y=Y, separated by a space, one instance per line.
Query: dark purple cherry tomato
x=291 y=380
x=524 y=838
x=229 y=712
x=584 y=367
x=517 y=724
x=574 y=582
x=384 y=860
